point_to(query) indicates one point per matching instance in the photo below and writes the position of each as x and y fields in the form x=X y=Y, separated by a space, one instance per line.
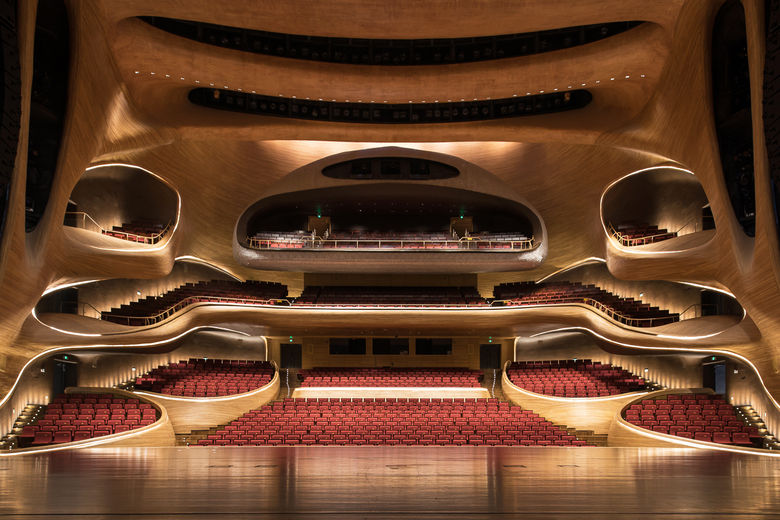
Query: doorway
x=66 y=374
x=490 y=356
x=291 y=355
x=714 y=375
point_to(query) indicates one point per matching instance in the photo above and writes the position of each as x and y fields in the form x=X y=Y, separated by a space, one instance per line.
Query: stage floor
x=389 y=482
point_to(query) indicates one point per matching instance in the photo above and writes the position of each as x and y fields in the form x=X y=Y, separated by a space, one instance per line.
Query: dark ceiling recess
x=390 y=168
x=733 y=119
x=360 y=51
x=385 y=113
x=48 y=102
x=772 y=102
x=10 y=103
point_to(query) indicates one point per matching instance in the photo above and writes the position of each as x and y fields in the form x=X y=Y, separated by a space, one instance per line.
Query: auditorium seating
x=444 y=422
x=141 y=231
x=76 y=417
x=569 y=378
x=641 y=235
x=391 y=377
x=153 y=309
x=388 y=240
x=390 y=296
x=206 y=377
x=702 y=417
x=625 y=310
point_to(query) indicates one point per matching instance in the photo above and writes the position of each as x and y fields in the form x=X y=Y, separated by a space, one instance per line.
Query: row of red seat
x=641 y=235
x=573 y=378
x=137 y=231
x=703 y=417
x=391 y=422
x=75 y=417
x=390 y=295
x=195 y=379
x=390 y=377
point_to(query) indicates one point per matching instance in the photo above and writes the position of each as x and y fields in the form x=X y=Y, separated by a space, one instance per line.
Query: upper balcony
x=386 y=210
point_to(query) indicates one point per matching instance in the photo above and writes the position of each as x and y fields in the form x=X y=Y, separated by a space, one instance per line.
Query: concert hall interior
x=374 y=259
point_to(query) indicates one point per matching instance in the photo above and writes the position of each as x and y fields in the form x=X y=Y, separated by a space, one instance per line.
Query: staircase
x=28 y=416
x=752 y=418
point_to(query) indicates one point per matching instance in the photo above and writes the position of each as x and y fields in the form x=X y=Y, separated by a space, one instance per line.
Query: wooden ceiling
x=128 y=104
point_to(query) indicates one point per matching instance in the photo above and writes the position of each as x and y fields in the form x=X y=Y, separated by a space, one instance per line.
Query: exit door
x=292 y=355
x=490 y=356
x=66 y=373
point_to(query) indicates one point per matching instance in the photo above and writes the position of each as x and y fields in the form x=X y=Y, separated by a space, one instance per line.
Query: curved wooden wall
x=221 y=163
x=158 y=434
x=198 y=413
x=585 y=413
x=625 y=434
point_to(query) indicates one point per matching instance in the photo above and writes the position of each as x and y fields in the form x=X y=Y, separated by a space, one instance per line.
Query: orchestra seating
x=137 y=231
x=626 y=310
x=386 y=240
x=390 y=296
x=641 y=235
x=569 y=378
x=702 y=417
x=444 y=422
x=206 y=377
x=391 y=377
x=153 y=309
x=76 y=417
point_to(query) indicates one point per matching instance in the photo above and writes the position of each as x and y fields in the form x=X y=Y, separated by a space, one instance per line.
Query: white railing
x=465 y=243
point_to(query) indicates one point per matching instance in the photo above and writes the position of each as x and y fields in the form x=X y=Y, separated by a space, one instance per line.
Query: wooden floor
x=384 y=483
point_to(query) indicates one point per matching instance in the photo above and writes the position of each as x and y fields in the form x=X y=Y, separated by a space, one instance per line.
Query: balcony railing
x=140 y=321
x=465 y=243
x=83 y=220
x=609 y=311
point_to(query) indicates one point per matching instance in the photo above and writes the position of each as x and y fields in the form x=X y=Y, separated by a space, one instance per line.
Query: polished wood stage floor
x=384 y=483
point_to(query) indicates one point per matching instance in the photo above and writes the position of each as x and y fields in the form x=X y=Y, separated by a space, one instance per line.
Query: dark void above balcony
x=359 y=51
x=384 y=113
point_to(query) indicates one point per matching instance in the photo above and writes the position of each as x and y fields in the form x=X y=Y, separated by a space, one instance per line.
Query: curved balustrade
x=83 y=220
x=634 y=313
x=137 y=321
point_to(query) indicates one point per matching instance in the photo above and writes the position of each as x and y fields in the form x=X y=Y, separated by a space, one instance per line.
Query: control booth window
x=348 y=346
x=433 y=346
x=390 y=346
